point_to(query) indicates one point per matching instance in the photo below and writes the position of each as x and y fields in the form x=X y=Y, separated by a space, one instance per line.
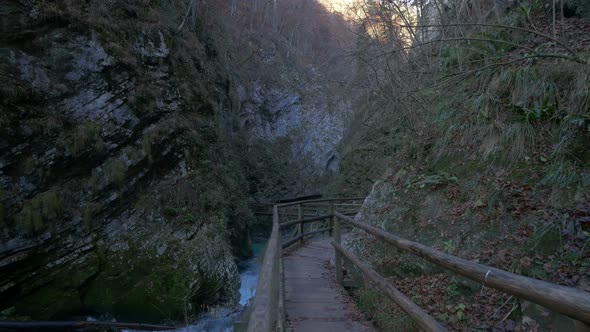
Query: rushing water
x=222 y=319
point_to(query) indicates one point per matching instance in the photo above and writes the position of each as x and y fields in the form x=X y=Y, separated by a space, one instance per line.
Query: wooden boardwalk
x=313 y=299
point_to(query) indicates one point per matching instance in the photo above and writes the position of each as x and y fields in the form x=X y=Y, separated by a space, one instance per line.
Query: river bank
x=221 y=319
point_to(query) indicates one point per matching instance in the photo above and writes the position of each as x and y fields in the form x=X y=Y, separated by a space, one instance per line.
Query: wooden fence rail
x=566 y=300
x=265 y=305
x=267 y=309
x=424 y=320
x=268 y=314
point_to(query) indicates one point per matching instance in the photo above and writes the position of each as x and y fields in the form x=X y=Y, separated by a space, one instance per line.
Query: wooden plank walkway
x=313 y=299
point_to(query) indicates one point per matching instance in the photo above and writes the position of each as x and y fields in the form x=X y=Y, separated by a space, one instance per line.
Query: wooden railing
x=267 y=313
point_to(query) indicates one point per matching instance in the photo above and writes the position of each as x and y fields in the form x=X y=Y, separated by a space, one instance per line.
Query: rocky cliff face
x=112 y=191
x=312 y=119
x=130 y=143
x=296 y=112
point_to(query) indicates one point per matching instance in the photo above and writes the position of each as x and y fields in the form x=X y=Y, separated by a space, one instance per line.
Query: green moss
x=61 y=298
x=87 y=135
x=409 y=268
x=50 y=300
x=146 y=144
x=88 y=212
x=459 y=165
x=116 y=172
x=29 y=219
x=52 y=125
x=150 y=289
x=52 y=205
x=45 y=206
x=144 y=98
x=132 y=153
x=190 y=218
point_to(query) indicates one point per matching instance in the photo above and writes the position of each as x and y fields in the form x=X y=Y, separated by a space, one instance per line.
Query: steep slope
x=477 y=147
x=290 y=70
x=115 y=197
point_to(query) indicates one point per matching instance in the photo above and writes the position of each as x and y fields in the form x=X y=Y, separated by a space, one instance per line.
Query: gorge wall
x=131 y=140
x=108 y=147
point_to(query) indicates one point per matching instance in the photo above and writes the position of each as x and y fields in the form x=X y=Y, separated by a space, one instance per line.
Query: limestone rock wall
x=107 y=139
x=313 y=119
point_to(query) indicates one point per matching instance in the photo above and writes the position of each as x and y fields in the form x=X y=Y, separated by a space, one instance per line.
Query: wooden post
x=300 y=217
x=264 y=306
x=337 y=255
x=357 y=279
x=281 y=301
x=331 y=212
x=424 y=320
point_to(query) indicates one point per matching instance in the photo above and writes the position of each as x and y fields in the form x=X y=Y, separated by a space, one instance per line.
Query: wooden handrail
x=566 y=300
x=320 y=201
x=264 y=307
x=424 y=320
x=304 y=220
x=311 y=219
x=268 y=306
x=300 y=225
x=301 y=236
x=281 y=317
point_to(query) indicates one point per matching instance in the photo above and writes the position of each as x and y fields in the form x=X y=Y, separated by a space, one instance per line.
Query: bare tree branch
x=567 y=48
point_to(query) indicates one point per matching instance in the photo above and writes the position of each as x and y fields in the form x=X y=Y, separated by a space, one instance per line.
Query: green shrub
x=368 y=300
x=547 y=238
x=51 y=125
x=88 y=212
x=132 y=153
x=51 y=204
x=85 y=135
x=537 y=112
x=146 y=145
x=144 y=98
x=116 y=172
x=561 y=174
x=439 y=178
x=190 y=218
x=45 y=206
x=29 y=219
